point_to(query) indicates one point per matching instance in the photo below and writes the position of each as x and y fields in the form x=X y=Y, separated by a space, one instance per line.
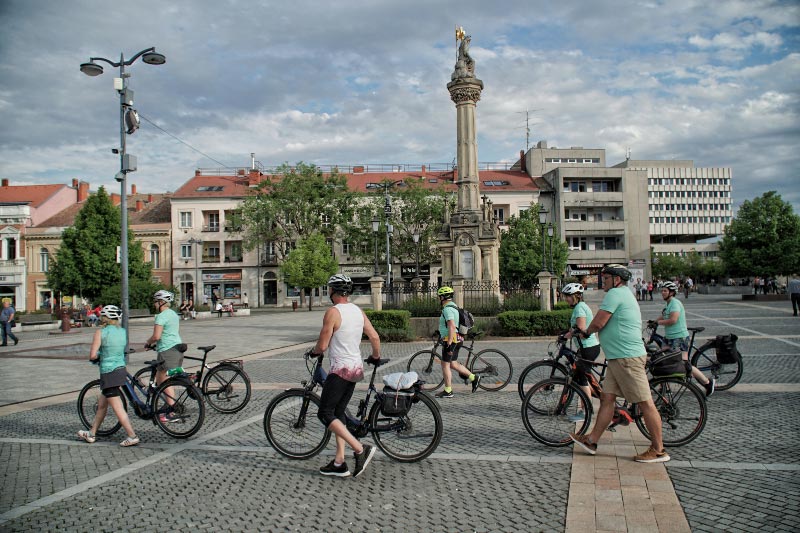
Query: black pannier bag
x=668 y=363
x=727 y=353
x=397 y=402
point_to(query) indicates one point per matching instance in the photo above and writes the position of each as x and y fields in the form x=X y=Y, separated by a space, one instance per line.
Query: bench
x=27 y=320
x=139 y=313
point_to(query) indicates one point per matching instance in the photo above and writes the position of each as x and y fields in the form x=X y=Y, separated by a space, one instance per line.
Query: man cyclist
x=342 y=328
x=166 y=338
x=619 y=323
x=448 y=330
x=673 y=318
x=581 y=317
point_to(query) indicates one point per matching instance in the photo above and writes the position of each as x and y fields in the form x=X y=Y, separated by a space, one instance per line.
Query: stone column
x=376 y=286
x=466 y=92
x=458 y=290
x=544 y=290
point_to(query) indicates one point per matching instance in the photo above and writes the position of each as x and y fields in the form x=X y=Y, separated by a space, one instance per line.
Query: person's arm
x=374 y=338
x=330 y=323
x=599 y=322
x=673 y=319
x=95 y=348
x=158 y=329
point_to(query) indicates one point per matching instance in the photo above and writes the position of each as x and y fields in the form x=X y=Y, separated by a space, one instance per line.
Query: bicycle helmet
x=445 y=292
x=341 y=283
x=670 y=285
x=572 y=288
x=616 y=269
x=111 y=312
x=164 y=296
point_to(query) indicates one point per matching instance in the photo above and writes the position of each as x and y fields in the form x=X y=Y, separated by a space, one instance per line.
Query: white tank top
x=344 y=350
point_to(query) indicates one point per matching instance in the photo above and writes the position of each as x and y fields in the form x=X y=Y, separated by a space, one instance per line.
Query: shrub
x=422 y=306
x=533 y=323
x=392 y=325
x=560 y=306
x=521 y=302
x=486 y=306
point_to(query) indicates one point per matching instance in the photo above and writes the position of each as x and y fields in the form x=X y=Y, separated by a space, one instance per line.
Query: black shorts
x=584 y=369
x=450 y=352
x=336 y=394
x=110 y=382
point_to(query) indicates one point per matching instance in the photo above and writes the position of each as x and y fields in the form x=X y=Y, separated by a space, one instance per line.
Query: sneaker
x=168 y=418
x=444 y=394
x=710 y=386
x=130 y=441
x=652 y=456
x=85 y=435
x=331 y=469
x=583 y=442
x=476 y=382
x=577 y=417
x=363 y=459
x=16 y=341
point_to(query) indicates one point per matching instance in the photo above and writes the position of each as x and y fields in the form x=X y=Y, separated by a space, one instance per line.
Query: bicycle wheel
x=142 y=377
x=682 y=407
x=292 y=429
x=539 y=371
x=554 y=408
x=429 y=367
x=494 y=367
x=411 y=437
x=178 y=408
x=705 y=359
x=227 y=388
x=87 y=408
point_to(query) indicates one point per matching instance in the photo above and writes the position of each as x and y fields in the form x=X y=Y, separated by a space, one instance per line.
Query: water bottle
x=175 y=371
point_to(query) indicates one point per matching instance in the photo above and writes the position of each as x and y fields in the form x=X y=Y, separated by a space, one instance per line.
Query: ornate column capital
x=465 y=90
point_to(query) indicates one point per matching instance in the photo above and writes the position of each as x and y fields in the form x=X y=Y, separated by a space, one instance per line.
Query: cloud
x=733 y=41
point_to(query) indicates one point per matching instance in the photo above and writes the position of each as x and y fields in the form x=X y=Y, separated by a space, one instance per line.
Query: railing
x=211 y=227
x=360 y=169
x=210 y=259
x=268 y=259
x=480 y=298
x=229 y=259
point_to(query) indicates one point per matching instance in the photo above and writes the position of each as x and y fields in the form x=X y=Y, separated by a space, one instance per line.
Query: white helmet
x=163 y=295
x=670 y=285
x=112 y=312
x=572 y=288
x=341 y=283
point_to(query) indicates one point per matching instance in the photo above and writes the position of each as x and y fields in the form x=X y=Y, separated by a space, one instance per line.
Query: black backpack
x=465 y=319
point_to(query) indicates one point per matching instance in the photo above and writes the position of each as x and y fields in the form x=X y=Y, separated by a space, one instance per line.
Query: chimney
x=150 y=198
x=523 y=165
x=252 y=160
x=423 y=171
x=455 y=174
x=139 y=205
x=74 y=183
x=115 y=198
x=5 y=182
x=83 y=191
x=133 y=190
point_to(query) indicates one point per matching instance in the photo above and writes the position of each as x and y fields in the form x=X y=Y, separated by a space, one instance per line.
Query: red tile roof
x=156 y=212
x=34 y=195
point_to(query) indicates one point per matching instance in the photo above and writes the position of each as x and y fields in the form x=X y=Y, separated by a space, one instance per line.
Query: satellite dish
x=131 y=121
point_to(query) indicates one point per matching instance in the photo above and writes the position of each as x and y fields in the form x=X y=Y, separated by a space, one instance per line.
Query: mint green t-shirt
x=171 y=322
x=678 y=329
x=112 y=348
x=622 y=335
x=449 y=312
x=583 y=310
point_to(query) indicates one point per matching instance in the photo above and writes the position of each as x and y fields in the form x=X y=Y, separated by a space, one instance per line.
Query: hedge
x=533 y=323
x=391 y=325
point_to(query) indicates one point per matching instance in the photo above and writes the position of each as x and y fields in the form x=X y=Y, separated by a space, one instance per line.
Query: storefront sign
x=577 y=272
x=359 y=271
x=409 y=271
x=223 y=276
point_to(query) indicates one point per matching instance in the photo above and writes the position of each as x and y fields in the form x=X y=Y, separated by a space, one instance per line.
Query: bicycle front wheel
x=292 y=427
x=88 y=401
x=227 y=388
x=727 y=375
x=552 y=409
x=410 y=437
x=681 y=407
x=539 y=371
x=428 y=366
x=494 y=367
x=178 y=408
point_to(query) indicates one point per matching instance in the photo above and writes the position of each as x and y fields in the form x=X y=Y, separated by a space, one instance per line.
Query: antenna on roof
x=528 y=127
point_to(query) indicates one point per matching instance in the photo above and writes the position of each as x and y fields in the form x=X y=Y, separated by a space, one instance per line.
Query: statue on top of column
x=465 y=65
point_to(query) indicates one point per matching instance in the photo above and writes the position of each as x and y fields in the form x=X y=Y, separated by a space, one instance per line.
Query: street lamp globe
x=542 y=216
x=154 y=58
x=91 y=68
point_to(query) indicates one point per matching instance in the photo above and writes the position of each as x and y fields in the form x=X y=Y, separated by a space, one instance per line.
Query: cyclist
x=166 y=338
x=448 y=329
x=108 y=346
x=581 y=317
x=342 y=328
x=673 y=318
x=619 y=323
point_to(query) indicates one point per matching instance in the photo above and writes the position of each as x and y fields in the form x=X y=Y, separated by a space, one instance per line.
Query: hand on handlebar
x=310 y=353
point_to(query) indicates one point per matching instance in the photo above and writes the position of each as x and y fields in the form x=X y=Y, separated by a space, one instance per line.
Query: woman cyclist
x=166 y=338
x=108 y=346
x=581 y=318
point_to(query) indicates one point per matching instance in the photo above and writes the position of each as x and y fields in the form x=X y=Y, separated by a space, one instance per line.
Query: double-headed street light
x=550 y=231
x=375 y=225
x=543 y=222
x=387 y=209
x=128 y=123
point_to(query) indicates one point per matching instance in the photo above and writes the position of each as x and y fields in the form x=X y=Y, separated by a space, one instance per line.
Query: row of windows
x=689 y=220
x=582 y=186
x=689 y=194
x=595 y=243
x=583 y=215
x=689 y=207
x=44 y=258
x=684 y=253
x=592 y=160
x=689 y=181
x=211 y=252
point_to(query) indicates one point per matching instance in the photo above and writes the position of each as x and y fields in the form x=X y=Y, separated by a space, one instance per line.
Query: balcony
x=598 y=199
x=598 y=256
x=268 y=259
x=582 y=228
x=211 y=228
x=210 y=259
x=232 y=227
x=233 y=259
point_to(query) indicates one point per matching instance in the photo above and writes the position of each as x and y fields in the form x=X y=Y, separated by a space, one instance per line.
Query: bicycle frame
x=471 y=355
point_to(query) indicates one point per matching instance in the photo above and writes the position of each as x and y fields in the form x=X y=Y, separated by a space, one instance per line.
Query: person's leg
x=795 y=302
x=604 y=416
x=102 y=407
x=122 y=415
x=4 y=328
x=652 y=420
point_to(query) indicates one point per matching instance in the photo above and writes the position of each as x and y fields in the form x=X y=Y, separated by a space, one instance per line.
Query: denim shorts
x=681 y=343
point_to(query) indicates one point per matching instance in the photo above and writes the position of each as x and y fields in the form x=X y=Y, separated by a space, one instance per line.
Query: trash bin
x=66 y=319
x=294 y=305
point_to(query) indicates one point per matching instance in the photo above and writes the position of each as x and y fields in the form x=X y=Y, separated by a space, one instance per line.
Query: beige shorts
x=628 y=378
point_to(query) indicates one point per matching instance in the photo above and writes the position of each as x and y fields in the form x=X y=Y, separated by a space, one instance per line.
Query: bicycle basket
x=727 y=353
x=667 y=364
x=397 y=402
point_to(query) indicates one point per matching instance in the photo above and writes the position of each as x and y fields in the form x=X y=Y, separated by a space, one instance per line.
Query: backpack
x=465 y=319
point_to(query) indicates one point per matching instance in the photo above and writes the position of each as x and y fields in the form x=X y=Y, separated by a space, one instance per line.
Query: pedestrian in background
x=6 y=322
x=794 y=291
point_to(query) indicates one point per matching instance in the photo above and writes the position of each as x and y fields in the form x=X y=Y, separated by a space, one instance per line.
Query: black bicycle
x=226 y=386
x=406 y=425
x=492 y=365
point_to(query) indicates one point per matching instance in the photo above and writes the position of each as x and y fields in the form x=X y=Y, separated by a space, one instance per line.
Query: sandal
x=130 y=441
x=85 y=435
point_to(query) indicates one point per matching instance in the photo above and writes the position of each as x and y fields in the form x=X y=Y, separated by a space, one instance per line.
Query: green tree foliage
x=310 y=264
x=521 y=250
x=763 y=239
x=86 y=264
x=692 y=264
x=292 y=204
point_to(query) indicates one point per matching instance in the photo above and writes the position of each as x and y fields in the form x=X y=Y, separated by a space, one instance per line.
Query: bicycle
x=292 y=427
x=493 y=365
x=177 y=397
x=556 y=365
x=555 y=407
x=226 y=386
x=705 y=357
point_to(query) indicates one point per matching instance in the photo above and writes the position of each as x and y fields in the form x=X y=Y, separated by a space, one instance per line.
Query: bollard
x=294 y=305
x=66 y=318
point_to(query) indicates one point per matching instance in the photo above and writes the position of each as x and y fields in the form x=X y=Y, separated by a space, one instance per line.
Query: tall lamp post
x=127 y=162
x=543 y=222
x=415 y=236
x=196 y=292
x=550 y=231
x=375 y=225
x=387 y=209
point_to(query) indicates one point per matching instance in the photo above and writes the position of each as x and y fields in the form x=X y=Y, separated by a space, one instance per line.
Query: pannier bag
x=668 y=363
x=727 y=353
x=398 y=393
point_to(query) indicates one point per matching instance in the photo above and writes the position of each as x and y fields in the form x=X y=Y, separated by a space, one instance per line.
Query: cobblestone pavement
x=740 y=474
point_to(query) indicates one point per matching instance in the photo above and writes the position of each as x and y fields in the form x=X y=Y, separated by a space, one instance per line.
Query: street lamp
x=127 y=162
x=199 y=243
x=542 y=222
x=375 y=225
x=387 y=209
x=550 y=231
x=415 y=236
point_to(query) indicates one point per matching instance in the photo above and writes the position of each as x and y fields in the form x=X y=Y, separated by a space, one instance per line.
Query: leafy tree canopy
x=763 y=239
x=310 y=264
x=521 y=250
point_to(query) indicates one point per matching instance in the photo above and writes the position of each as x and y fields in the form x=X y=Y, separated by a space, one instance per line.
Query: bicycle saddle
x=379 y=362
x=151 y=363
x=207 y=348
x=696 y=330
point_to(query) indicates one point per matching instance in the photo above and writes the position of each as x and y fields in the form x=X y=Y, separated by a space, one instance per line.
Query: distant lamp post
x=128 y=123
x=550 y=231
x=415 y=236
x=542 y=223
x=387 y=210
x=196 y=292
x=375 y=225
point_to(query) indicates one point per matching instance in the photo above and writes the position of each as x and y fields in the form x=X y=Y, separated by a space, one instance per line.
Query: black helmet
x=341 y=283
x=616 y=269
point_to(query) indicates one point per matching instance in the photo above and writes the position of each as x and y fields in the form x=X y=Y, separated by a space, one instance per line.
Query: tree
x=763 y=239
x=668 y=266
x=521 y=250
x=292 y=204
x=86 y=263
x=310 y=264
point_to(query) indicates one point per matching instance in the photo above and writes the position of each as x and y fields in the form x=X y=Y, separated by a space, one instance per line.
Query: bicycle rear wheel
x=410 y=437
x=178 y=408
x=292 y=427
x=539 y=371
x=227 y=388
x=552 y=409
x=87 y=408
x=494 y=367
x=428 y=366
x=682 y=408
x=727 y=375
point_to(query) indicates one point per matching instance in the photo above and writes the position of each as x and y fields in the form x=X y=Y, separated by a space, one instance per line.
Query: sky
x=364 y=82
